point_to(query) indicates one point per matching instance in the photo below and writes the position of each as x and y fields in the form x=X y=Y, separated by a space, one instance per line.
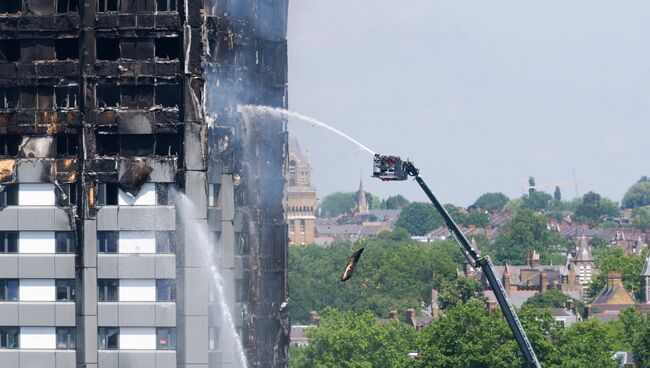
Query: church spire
x=362 y=203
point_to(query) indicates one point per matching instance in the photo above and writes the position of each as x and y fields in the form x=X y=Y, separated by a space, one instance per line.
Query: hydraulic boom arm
x=392 y=168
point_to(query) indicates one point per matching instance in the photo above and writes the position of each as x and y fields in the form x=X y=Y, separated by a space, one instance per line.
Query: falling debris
x=352 y=263
x=133 y=175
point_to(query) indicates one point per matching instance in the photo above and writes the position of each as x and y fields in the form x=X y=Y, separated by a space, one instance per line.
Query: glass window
x=65 y=290
x=165 y=242
x=302 y=226
x=9 y=337
x=108 y=338
x=8 y=241
x=66 y=338
x=213 y=338
x=107 y=241
x=165 y=193
x=165 y=290
x=66 y=242
x=9 y=195
x=213 y=194
x=9 y=289
x=107 y=192
x=108 y=290
x=166 y=338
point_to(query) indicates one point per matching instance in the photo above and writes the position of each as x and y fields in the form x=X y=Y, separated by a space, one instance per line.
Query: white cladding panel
x=137 y=290
x=146 y=196
x=138 y=338
x=38 y=338
x=36 y=242
x=37 y=290
x=36 y=194
x=137 y=242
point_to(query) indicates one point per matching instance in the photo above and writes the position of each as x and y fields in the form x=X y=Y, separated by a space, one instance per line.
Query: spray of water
x=199 y=236
x=255 y=110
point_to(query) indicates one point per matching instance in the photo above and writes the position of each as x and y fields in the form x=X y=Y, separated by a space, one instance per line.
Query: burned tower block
x=110 y=110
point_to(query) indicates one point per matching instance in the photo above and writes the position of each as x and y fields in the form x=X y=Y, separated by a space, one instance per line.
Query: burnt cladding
x=107 y=108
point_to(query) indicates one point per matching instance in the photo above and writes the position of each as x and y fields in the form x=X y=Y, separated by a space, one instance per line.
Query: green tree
x=552 y=298
x=394 y=272
x=337 y=203
x=615 y=260
x=557 y=195
x=492 y=202
x=514 y=204
x=594 y=208
x=341 y=202
x=525 y=233
x=637 y=331
x=455 y=213
x=537 y=201
x=585 y=344
x=641 y=218
x=418 y=218
x=637 y=195
x=459 y=291
x=395 y=202
x=344 y=339
x=480 y=219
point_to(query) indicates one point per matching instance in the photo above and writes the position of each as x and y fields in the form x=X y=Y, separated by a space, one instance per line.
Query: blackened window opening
x=9 y=50
x=137 y=48
x=108 y=5
x=168 y=144
x=65 y=6
x=67 y=96
x=9 y=145
x=9 y=98
x=168 y=95
x=67 y=145
x=165 y=5
x=168 y=48
x=35 y=50
x=67 y=49
x=107 y=48
x=107 y=96
x=108 y=144
x=11 y=6
x=137 y=144
x=137 y=97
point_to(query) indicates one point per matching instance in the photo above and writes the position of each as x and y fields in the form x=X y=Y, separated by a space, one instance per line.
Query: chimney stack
x=392 y=314
x=491 y=306
x=314 y=318
x=543 y=281
x=435 y=307
x=613 y=279
x=411 y=317
x=505 y=279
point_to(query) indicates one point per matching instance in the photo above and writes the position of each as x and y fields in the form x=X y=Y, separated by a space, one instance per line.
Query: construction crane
x=391 y=168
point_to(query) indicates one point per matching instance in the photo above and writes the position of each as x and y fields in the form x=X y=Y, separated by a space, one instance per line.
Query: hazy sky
x=479 y=94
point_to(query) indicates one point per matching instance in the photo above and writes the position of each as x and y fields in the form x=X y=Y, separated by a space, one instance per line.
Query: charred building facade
x=110 y=110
